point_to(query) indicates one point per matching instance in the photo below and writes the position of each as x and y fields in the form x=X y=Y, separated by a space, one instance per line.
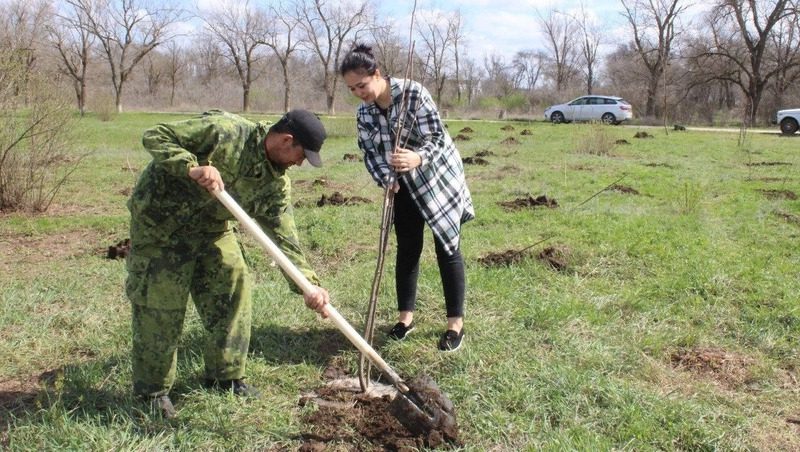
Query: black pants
x=409 y=228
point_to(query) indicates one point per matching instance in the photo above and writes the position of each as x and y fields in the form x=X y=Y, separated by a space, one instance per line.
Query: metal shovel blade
x=425 y=410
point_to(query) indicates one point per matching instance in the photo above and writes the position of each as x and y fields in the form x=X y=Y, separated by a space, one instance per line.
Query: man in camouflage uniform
x=182 y=242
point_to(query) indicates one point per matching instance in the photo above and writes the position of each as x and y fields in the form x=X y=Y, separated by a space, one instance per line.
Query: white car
x=788 y=120
x=608 y=109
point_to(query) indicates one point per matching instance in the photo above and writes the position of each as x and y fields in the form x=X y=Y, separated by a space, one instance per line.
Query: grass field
x=673 y=323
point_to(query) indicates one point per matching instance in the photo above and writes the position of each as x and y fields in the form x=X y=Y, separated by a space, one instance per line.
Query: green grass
x=577 y=359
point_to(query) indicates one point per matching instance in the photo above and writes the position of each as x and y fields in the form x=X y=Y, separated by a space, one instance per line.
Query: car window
x=581 y=101
x=610 y=101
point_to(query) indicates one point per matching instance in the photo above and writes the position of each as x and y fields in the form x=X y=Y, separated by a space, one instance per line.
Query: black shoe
x=451 y=341
x=237 y=386
x=399 y=331
x=162 y=404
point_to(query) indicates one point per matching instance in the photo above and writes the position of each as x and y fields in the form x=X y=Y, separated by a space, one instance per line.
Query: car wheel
x=788 y=126
x=608 y=118
x=557 y=117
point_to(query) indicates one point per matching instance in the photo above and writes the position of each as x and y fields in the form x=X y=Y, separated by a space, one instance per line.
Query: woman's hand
x=317 y=300
x=208 y=177
x=404 y=160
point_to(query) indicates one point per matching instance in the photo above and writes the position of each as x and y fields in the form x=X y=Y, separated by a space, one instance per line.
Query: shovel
x=419 y=405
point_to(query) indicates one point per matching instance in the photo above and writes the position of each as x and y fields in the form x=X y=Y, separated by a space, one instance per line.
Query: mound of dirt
x=120 y=250
x=337 y=199
x=642 y=135
x=526 y=132
x=461 y=137
x=728 y=369
x=508 y=257
x=510 y=140
x=557 y=257
x=474 y=161
x=779 y=194
x=622 y=141
x=791 y=218
x=529 y=202
x=507 y=128
x=768 y=164
x=351 y=158
x=484 y=153
x=466 y=130
x=624 y=189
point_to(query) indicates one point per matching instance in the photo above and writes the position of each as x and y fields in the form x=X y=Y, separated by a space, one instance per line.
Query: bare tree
x=559 y=31
x=438 y=31
x=458 y=38
x=177 y=66
x=472 y=77
x=392 y=50
x=23 y=33
x=784 y=47
x=327 y=27
x=283 y=41
x=127 y=31
x=528 y=66
x=741 y=35
x=653 y=25
x=499 y=81
x=70 y=35
x=239 y=30
x=591 y=38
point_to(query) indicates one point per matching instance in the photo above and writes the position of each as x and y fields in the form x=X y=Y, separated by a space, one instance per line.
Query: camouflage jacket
x=168 y=207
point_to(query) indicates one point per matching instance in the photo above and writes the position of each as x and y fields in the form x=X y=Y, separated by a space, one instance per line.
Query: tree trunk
x=245 y=98
x=287 y=88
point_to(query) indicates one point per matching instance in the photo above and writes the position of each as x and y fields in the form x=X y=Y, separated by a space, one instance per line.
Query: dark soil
x=337 y=199
x=320 y=182
x=466 y=130
x=530 y=202
x=484 y=153
x=679 y=128
x=510 y=140
x=727 y=369
x=508 y=128
x=126 y=191
x=769 y=164
x=622 y=141
x=461 y=137
x=474 y=161
x=557 y=257
x=624 y=189
x=779 y=194
x=526 y=132
x=662 y=165
x=643 y=135
x=791 y=218
x=351 y=158
x=120 y=250
x=503 y=258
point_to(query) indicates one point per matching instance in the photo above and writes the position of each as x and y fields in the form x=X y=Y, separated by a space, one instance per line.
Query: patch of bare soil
x=466 y=130
x=791 y=218
x=350 y=418
x=119 y=250
x=624 y=189
x=484 y=153
x=474 y=161
x=22 y=394
x=126 y=191
x=768 y=164
x=510 y=141
x=557 y=257
x=507 y=128
x=337 y=199
x=581 y=167
x=622 y=141
x=461 y=137
x=726 y=369
x=526 y=132
x=768 y=179
x=503 y=258
x=661 y=165
x=529 y=202
x=642 y=135
x=17 y=251
x=351 y=158
x=779 y=194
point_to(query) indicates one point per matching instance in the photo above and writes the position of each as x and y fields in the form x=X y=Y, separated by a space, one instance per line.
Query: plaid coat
x=438 y=186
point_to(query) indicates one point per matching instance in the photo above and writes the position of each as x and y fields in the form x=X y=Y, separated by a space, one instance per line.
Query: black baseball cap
x=306 y=128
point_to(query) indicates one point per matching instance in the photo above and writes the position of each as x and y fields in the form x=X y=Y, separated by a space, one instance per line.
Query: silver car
x=608 y=109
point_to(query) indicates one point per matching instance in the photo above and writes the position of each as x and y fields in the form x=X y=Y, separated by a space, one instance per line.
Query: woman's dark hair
x=359 y=59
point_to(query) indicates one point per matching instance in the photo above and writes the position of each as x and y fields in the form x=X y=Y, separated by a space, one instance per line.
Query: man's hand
x=208 y=177
x=317 y=299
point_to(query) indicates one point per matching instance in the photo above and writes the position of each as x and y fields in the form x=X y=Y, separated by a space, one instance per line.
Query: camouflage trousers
x=160 y=282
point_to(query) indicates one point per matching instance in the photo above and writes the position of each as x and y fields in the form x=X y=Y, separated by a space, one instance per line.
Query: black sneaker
x=163 y=405
x=237 y=386
x=451 y=341
x=399 y=331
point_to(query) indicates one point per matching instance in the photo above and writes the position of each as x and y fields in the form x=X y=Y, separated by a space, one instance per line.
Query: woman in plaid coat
x=430 y=186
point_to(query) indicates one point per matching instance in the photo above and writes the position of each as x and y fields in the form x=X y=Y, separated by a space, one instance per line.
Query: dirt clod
x=624 y=189
x=529 y=202
x=120 y=250
x=622 y=141
x=503 y=258
x=337 y=199
x=351 y=158
x=461 y=137
x=768 y=164
x=660 y=165
x=642 y=135
x=474 y=161
x=791 y=218
x=526 y=132
x=779 y=194
x=466 y=130
x=510 y=140
x=507 y=128
x=556 y=257
x=727 y=369
x=484 y=153
x=320 y=182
